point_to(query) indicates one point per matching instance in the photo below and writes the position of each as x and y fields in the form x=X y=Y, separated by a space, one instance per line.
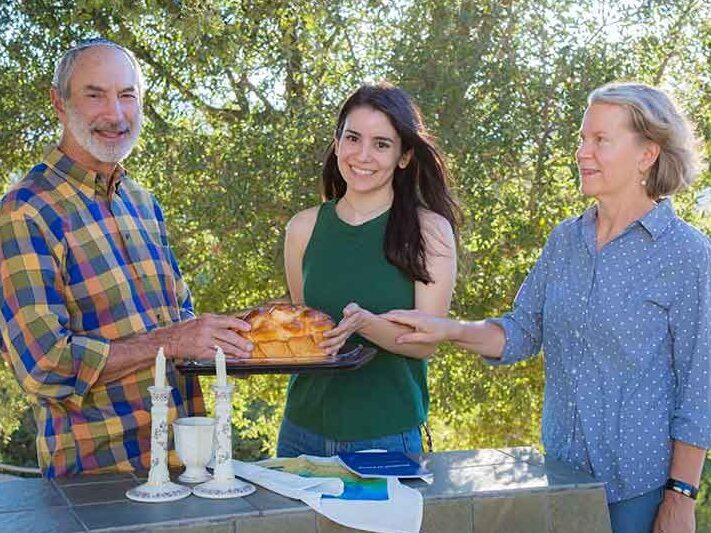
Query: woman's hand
x=675 y=514
x=354 y=318
x=428 y=329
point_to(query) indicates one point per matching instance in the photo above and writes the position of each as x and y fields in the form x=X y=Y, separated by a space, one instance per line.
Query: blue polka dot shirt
x=626 y=336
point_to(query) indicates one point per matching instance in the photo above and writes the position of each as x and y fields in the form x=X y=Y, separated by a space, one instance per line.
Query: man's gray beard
x=113 y=153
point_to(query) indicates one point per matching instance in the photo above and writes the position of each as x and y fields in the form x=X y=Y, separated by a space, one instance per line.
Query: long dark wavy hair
x=424 y=183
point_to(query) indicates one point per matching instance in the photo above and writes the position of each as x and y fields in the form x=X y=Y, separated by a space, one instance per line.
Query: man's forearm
x=188 y=339
x=131 y=354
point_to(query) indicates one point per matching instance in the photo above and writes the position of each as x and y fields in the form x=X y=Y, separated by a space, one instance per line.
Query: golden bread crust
x=284 y=330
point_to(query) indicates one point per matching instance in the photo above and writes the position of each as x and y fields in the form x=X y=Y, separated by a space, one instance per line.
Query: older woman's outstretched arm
x=513 y=337
x=482 y=337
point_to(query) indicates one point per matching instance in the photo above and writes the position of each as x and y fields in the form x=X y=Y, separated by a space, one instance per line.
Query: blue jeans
x=295 y=440
x=636 y=515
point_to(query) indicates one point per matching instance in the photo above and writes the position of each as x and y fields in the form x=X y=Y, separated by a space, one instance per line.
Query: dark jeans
x=295 y=440
x=636 y=515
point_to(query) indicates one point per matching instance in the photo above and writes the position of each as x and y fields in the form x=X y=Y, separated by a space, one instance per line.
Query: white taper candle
x=160 y=368
x=221 y=367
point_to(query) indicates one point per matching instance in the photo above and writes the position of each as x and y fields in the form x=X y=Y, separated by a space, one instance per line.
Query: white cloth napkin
x=400 y=513
x=289 y=485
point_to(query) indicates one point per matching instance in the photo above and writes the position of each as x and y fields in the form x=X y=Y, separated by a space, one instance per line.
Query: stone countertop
x=508 y=490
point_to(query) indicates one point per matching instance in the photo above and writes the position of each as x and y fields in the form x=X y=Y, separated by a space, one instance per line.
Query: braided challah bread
x=286 y=330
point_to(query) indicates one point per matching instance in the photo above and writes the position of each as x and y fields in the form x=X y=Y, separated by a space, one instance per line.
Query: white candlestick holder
x=224 y=484
x=158 y=488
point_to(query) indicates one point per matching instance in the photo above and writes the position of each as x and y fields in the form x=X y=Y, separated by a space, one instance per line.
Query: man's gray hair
x=65 y=66
x=654 y=116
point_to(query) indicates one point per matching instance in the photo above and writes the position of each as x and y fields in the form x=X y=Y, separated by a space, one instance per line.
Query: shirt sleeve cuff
x=507 y=353
x=691 y=433
x=90 y=356
x=186 y=314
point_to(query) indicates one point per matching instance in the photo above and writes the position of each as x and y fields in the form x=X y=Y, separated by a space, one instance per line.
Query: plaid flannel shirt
x=84 y=262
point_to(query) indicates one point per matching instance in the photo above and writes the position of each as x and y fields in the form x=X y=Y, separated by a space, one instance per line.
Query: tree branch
x=141 y=52
x=243 y=85
x=156 y=117
x=294 y=90
x=672 y=38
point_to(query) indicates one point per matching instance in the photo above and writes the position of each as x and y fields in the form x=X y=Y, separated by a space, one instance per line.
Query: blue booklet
x=383 y=464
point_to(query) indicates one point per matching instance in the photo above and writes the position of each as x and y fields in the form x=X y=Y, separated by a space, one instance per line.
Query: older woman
x=620 y=300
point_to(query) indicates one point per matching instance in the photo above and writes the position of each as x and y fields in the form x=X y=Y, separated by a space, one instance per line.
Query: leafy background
x=240 y=104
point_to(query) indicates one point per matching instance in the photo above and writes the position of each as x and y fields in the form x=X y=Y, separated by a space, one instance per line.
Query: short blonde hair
x=655 y=117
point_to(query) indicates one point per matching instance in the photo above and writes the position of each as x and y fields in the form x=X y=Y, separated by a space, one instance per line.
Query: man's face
x=102 y=114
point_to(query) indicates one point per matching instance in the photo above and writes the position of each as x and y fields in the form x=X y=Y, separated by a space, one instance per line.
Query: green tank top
x=343 y=264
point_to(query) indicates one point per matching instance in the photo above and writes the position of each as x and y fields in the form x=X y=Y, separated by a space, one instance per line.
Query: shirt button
x=570 y=404
x=577 y=334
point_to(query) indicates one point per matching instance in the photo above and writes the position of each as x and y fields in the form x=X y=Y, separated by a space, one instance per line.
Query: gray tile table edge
x=512 y=493
x=454 y=485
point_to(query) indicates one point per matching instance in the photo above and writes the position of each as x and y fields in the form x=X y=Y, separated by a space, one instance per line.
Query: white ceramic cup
x=194 y=437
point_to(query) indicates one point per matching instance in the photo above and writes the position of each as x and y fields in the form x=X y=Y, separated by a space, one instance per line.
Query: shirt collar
x=655 y=222
x=658 y=219
x=88 y=181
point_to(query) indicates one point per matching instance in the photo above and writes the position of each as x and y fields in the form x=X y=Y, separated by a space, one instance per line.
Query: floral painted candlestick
x=158 y=488
x=224 y=484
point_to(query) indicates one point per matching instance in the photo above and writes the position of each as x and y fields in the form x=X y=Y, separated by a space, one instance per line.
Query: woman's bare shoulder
x=303 y=222
x=434 y=223
x=436 y=230
x=300 y=228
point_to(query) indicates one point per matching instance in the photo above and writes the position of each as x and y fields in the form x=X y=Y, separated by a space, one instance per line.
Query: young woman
x=384 y=239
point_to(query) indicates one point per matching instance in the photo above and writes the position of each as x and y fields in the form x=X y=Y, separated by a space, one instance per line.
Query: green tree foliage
x=240 y=104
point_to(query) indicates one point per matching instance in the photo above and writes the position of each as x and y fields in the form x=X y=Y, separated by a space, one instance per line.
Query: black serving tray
x=349 y=357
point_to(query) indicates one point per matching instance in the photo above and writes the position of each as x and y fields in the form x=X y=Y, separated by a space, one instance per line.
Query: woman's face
x=369 y=150
x=612 y=159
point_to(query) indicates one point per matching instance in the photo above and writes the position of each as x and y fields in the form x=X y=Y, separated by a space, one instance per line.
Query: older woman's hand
x=675 y=514
x=354 y=318
x=428 y=329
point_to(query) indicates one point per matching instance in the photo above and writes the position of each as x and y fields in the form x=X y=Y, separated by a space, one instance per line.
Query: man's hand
x=675 y=514
x=196 y=339
x=354 y=318
x=192 y=339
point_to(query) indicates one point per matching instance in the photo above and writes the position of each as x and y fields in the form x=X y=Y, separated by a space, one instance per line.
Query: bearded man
x=89 y=286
